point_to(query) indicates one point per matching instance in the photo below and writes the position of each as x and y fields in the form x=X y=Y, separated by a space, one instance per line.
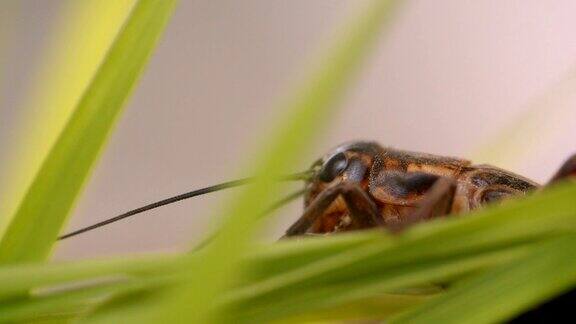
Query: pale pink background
x=447 y=76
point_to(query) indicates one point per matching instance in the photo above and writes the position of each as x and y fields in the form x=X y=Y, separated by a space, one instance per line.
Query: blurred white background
x=449 y=77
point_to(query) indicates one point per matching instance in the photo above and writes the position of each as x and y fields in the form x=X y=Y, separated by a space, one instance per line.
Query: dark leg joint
x=437 y=202
x=362 y=209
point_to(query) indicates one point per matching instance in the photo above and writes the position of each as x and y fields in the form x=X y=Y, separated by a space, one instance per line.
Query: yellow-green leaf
x=53 y=192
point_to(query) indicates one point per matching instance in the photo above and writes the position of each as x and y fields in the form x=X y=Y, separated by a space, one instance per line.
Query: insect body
x=362 y=184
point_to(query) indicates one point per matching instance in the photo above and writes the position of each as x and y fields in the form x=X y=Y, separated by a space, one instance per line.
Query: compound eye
x=334 y=167
x=492 y=196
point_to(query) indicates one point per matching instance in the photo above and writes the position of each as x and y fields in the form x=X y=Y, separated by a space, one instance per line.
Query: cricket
x=361 y=185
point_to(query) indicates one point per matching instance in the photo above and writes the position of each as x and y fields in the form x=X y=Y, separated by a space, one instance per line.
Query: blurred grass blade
x=433 y=251
x=51 y=196
x=366 y=309
x=73 y=301
x=48 y=307
x=334 y=295
x=19 y=278
x=312 y=275
x=430 y=252
x=69 y=65
x=515 y=222
x=194 y=300
x=503 y=293
x=269 y=260
x=287 y=255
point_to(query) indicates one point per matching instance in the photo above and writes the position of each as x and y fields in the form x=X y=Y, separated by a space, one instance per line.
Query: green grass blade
x=266 y=261
x=312 y=274
x=51 y=196
x=311 y=298
x=433 y=251
x=366 y=309
x=515 y=222
x=72 y=301
x=19 y=278
x=34 y=309
x=194 y=300
x=56 y=88
x=505 y=292
x=286 y=255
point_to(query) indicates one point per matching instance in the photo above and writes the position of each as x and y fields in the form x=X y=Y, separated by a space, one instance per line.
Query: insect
x=362 y=185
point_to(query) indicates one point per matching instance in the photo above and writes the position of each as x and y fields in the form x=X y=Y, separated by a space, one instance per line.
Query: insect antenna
x=225 y=185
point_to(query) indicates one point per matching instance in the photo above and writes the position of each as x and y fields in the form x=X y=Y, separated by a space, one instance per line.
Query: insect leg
x=362 y=208
x=437 y=202
x=567 y=170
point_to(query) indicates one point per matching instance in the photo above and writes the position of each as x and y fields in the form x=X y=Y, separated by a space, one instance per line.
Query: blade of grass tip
x=501 y=294
x=51 y=196
x=56 y=89
x=193 y=301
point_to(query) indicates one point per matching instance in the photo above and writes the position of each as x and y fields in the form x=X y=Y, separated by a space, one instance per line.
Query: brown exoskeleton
x=362 y=185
